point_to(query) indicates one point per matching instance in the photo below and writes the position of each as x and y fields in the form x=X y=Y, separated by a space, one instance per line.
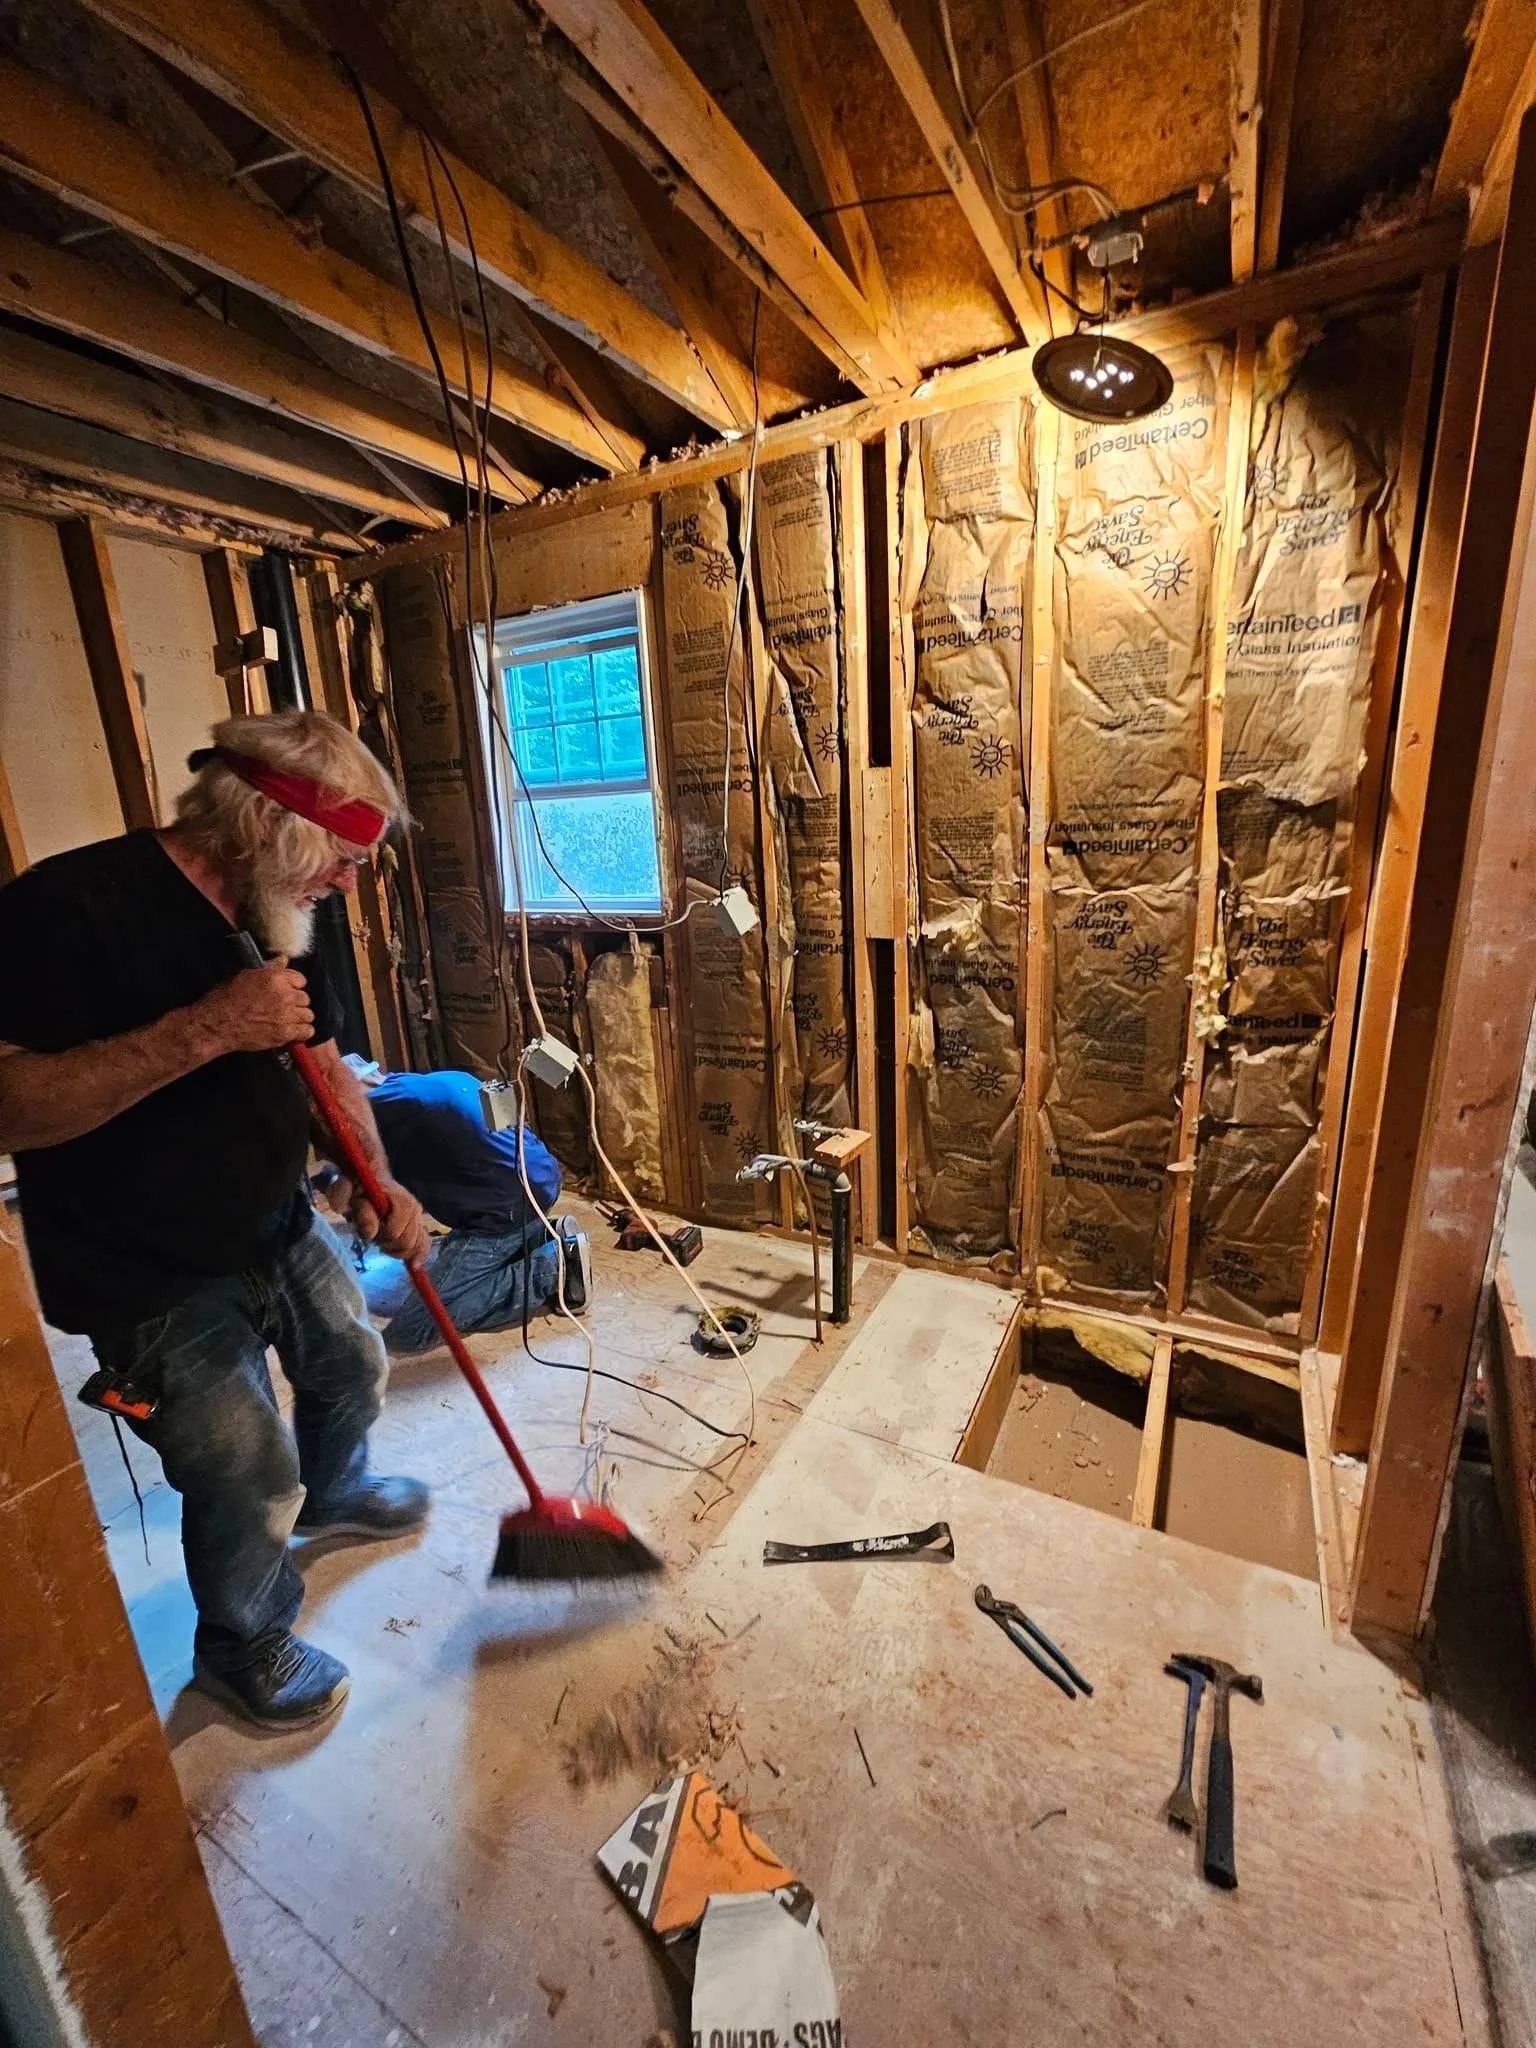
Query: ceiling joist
x=1247 y=128
x=933 y=106
x=64 y=145
x=280 y=78
x=1281 y=58
x=61 y=381
x=1489 y=103
x=1037 y=133
x=627 y=50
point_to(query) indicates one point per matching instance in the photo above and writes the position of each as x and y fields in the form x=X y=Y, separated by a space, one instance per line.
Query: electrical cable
x=748 y=521
x=1081 y=35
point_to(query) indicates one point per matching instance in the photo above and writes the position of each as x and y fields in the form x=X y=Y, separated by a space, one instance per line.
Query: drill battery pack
x=684 y=1243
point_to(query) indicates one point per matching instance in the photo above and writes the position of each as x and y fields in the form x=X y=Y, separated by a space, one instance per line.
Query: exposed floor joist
x=63 y=144
x=930 y=101
x=286 y=82
x=622 y=43
x=1506 y=39
x=61 y=381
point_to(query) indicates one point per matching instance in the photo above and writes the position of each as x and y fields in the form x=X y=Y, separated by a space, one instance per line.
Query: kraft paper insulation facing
x=1314 y=573
x=559 y=1115
x=967 y=561
x=478 y=1013
x=725 y=974
x=796 y=565
x=1138 y=509
x=624 y=1068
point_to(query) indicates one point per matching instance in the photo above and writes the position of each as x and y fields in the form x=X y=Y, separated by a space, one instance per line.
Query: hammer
x=1220 y=1861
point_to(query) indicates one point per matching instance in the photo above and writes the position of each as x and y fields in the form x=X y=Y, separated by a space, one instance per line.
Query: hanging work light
x=1096 y=376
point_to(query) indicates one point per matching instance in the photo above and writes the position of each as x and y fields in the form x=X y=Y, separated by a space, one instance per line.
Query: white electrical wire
x=559 y=1244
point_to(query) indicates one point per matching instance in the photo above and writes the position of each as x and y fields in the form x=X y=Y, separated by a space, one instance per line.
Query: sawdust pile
x=661 y=1724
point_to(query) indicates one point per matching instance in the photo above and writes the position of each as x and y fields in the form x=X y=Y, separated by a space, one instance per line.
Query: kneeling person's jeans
x=480 y=1275
x=226 y=1450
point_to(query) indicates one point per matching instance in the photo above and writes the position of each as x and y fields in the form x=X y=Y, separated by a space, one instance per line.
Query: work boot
x=576 y=1258
x=378 y=1507
x=290 y=1685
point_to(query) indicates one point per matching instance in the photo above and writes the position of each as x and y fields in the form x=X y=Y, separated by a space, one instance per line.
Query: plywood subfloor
x=422 y=1872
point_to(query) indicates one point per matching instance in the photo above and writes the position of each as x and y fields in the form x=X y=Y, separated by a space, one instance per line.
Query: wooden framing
x=1510 y=1380
x=62 y=381
x=239 y=644
x=627 y=49
x=1243 y=173
x=1506 y=40
x=1234 y=499
x=853 y=593
x=1037 y=881
x=1360 y=825
x=64 y=292
x=283 y=80
x=1282 y=55
x=1332 y=280
x=60 y=142
x=13 y=851
x=931 y=102
x=1474 y=905
x=1490 y=197
x=1037 y=132
x=785 y=36
x=902 y=809
x=93 y=587
x=769 y=833
x=1154 y=1436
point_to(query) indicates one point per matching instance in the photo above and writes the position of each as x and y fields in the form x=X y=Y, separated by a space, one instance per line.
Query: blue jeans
x=479 y=1275
x=225 y=1449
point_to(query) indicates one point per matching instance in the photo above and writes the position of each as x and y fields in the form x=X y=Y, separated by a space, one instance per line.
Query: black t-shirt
x=204 y=1177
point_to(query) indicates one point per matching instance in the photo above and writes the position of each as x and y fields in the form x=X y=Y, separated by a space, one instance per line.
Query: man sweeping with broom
x=160 y=1144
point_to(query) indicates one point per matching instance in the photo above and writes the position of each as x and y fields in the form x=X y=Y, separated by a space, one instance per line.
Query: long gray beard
x=282 y=925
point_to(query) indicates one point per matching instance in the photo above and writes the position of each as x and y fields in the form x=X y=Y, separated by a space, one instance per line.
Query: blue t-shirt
x=439 y=1148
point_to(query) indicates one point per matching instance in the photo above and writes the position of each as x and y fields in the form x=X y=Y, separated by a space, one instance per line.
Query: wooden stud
x=1490 y=196
x=93 y=587
x=1037 y=893
x=1511 y=1387
x=1506 y=38
x=1234 y=498
x=1357 y=824
x=930 y=100
x=853 y=592
x=1282 y=56
x=1475 y=1088
x=979 y=1438
x=1434 y=578
x=1332 y=1522
x=1154 y=1435
x=234 y=623
x=1356 y=274
x=62 y=143
x=64 y=292
x=1037 y=131
x=627 y=49
x=1247 y=123
x=280 y=78
x=785 y=36
x=778 y=971
x=61 y=381
x=13 y=851
x=903 y=810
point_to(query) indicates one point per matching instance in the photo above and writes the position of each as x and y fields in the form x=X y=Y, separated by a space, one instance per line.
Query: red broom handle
x=352 y=1158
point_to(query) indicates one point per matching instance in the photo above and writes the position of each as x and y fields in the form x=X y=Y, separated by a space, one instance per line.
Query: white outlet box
x=735 y=912
x=551 y=1061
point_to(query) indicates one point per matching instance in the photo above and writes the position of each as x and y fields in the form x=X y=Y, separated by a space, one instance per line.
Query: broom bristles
x=570 y=1540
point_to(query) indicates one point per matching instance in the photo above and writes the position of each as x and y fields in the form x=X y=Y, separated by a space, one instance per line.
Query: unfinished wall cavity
x=1314 y=574
x=1138 y=510
x=968 y=552
x=796 y=573
x=710 y=717
x=618 y=997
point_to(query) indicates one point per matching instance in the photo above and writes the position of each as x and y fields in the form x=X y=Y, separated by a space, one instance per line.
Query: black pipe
x=276 y=606
x=842 y=1246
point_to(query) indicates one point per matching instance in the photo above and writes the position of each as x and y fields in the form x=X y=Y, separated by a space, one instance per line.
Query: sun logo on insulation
x=746 y=1147
x=826 y=743
x=989 y=757
x=984 y=1081
x=1145 y=965
x=1167 y=575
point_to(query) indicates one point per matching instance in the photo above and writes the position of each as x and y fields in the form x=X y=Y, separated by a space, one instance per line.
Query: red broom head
x=570 y=1539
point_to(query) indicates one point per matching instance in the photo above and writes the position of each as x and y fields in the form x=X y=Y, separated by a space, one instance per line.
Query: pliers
x=1019 y=1629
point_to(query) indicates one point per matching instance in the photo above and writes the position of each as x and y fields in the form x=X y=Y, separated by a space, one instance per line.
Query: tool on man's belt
x=685 y=1243
x=1220 y=1862
x=934 y=1542
x=553 y=1537
x=1024 y=1634
x=114 y=1395
x=1179 y=1810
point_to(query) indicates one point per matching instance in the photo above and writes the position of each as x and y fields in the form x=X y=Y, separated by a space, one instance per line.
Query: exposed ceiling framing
x=201 y=292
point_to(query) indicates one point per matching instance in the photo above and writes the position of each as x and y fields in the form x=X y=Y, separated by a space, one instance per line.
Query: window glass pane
x=528 y=693
x=605 y=844
x=571 y=682
x=623 y=748
x=580 y=760
x=617 y=675
x=535 y=751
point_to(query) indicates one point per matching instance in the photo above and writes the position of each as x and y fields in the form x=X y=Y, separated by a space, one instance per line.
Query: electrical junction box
x=498 y=1105
x=735 y=913
x=551 y=1061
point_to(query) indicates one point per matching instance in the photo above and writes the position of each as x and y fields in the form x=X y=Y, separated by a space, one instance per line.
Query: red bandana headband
x=349 y=818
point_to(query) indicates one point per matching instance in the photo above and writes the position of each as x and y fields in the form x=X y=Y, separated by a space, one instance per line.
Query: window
x=572 y=688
